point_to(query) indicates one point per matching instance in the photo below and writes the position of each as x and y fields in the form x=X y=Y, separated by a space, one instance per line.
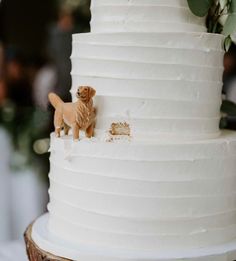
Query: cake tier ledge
x=34 y=252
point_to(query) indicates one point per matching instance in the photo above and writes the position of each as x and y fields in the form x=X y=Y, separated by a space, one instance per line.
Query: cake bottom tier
x=42 y=245
x=142 y=197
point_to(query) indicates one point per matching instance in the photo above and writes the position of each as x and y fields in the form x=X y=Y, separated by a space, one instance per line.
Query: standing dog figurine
x=79 y=115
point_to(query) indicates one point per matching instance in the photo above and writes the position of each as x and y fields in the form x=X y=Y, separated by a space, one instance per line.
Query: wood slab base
x=34 y=252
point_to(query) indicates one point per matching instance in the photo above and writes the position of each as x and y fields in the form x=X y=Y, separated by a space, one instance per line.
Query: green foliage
x=223 y=123
x=223 y=3
x=221 y=15
x=200 y=7
x=227 y=43
x=230 y=24
x=26 y=125
x=229 y=108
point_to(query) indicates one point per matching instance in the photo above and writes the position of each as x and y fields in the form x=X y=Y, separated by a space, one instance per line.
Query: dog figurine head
x=85 y=93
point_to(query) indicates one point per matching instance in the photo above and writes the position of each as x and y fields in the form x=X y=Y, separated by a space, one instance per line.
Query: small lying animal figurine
x=79 y=115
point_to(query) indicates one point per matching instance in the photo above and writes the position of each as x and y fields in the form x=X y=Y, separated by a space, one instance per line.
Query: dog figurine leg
x=75 y=130
x=90 y=131
x=66 y=129
x=58 y=122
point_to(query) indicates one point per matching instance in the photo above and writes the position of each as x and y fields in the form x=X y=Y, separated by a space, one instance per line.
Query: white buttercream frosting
x=143 y=195
x=144 y=16
x=60 y=247
x=169 y=186
x=162 y=84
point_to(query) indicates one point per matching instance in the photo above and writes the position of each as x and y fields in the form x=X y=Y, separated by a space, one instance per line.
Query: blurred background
x=35 y=46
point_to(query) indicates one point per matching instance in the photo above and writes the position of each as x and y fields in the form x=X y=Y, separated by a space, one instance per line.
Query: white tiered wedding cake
x=168 y=190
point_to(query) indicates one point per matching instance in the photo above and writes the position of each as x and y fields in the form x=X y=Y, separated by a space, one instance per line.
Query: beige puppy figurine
x=79 y=115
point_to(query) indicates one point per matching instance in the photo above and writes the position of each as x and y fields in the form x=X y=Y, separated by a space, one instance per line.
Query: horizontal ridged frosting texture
x=161 y=84
x=171 y=184
x=143 y=196
x=144 y=16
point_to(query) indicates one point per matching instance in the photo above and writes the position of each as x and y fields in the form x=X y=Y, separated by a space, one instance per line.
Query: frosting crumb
x=120 y=128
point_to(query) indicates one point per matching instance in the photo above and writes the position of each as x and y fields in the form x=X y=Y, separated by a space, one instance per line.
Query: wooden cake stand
x=34 y=252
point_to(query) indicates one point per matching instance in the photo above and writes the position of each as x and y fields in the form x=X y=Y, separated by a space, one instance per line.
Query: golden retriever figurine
x=79 y=115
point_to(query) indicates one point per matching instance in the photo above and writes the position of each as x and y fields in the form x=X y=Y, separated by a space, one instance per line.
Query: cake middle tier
x=161 y=84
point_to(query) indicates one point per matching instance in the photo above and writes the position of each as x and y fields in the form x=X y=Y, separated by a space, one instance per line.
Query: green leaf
x=230 y=24
x=200 y=7
x=232 y=8
x=229 y=108
x=223 y=123
x=227 y=43
x=223 y=3
x=228 y=4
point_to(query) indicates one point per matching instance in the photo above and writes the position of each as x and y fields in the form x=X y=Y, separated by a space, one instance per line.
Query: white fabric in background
x=23 y=195
x=14 y=251
x=44 y=82
x=28 y=200
x=5 y=194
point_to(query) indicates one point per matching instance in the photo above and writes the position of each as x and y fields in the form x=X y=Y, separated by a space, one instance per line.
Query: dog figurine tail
x=54 y=99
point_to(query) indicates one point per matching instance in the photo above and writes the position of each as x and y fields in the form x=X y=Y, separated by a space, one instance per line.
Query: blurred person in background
x=23 y=32
x=23 y=38
x=59 y=48
x=230 y=73
x=2 y=82
x=44 y=82
x=35 y=48
x=3 y=91
x=229 y=88
x=73 y=17
x=19 y=88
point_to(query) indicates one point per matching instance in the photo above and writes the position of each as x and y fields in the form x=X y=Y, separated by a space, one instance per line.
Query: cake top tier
x=144 y=16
